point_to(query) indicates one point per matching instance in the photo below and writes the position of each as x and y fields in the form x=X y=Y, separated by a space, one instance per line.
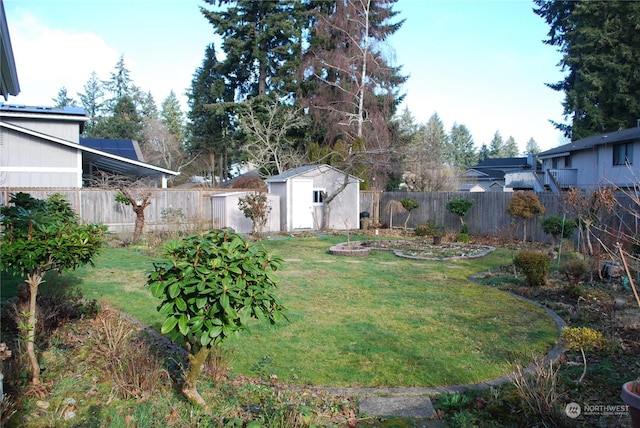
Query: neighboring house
x=498 y=174
x=302 y=191
x=610 y=159
x=470 y=187
x=9 y=84
x=41 y=147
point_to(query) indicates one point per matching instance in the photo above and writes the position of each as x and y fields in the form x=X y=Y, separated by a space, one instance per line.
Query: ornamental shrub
x=426 y=229
x=574 y=270
x=535 y=265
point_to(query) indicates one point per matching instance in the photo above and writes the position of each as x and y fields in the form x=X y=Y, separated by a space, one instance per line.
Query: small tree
x=556 y=225
x=255 y=206
x=581 y=338
x=460 y=207
x=135 y=193
x=42 y=236
x=409 y=204
x=210 y=286
x=525 y=205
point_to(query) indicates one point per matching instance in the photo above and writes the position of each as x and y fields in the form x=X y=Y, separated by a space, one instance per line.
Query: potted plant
x=631 y=396
x=631 y=390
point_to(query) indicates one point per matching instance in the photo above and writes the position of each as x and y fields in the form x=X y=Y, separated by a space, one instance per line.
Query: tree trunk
x=139 y=210
x=190 y=386
x=34 y=280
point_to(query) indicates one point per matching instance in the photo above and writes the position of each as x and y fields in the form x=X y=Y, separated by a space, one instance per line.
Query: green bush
x=427 y=229
x=463 y=237
x=535 y=265
x=574 y=270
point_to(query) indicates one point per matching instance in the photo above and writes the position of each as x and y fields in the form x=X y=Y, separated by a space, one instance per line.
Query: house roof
x=129 y=149
x=496 y=163
x=9 y=84
x=104 y=160
x=592 y=141
x=485 y=174
x=303 y=169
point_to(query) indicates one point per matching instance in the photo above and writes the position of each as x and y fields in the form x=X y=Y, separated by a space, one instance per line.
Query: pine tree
x=211 y=116
x=93 y=102
x=63 y=100
x=262 y=42
x=461 y=152
x=497 y=146
x=600 y=44
x=532 y=147
x=172 y=115
x=511 y=149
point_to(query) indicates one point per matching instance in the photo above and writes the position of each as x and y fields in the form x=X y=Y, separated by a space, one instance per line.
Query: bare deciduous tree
x=268 y=125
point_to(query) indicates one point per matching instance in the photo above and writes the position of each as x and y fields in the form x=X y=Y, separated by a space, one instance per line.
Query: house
x=501 y=174
x=41 y=147
x=610 y=159
x=9 y=84
x=302 y=192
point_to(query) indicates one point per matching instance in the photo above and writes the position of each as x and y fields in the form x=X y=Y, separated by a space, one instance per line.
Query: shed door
x=302 y=204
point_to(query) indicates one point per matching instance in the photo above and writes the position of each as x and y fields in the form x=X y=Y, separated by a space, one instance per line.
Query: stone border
x=350 y=249
x=399 y=253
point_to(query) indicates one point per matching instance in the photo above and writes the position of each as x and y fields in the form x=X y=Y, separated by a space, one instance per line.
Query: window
x=567 y=161
x=318 y=196
x=623 y=154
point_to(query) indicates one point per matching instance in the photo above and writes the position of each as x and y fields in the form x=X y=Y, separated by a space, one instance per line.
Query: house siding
x=27 y=161
x=594 y=167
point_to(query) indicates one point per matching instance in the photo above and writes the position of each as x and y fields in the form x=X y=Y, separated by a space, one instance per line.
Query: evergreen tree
x=497 y=146
x=436 y=141
x=119 y=83
x=262 y=43
x=145 y=104
x=125 y=123
x=484 y=153
x=172 y=115
x=211 y=117
x=350 y=89
x=600 y=44
x=93 y=102
x=511 y=149
x=532 y=147
x=63 y=100
x=461 y=153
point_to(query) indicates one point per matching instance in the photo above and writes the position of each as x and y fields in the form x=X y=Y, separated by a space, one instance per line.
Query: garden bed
x=423 y=250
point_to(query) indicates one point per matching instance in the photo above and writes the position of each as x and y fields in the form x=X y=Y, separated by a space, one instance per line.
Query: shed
x=226 y=213
x=302 y=192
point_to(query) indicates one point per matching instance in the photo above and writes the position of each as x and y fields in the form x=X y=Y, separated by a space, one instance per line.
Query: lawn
x=378 y=320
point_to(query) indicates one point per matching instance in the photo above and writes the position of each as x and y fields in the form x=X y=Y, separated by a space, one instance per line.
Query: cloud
x=48 y=59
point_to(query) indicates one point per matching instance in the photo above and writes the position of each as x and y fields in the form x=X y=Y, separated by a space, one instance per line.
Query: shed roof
x=303 y=169
x=592 y=141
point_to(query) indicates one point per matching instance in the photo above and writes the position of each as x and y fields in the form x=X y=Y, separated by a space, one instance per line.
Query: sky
x=478 y=63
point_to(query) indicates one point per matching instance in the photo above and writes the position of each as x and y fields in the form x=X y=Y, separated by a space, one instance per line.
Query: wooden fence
x=187 y=208
x=487 y=216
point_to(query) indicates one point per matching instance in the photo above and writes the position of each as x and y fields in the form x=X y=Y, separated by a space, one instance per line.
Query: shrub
x=581 y=339
x=574 y=270
x=463 y=237
x=538 y=389
x=427 y=229
x=535 y=265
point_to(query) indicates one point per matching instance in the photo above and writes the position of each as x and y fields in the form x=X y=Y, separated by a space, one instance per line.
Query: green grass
x=378 y=320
